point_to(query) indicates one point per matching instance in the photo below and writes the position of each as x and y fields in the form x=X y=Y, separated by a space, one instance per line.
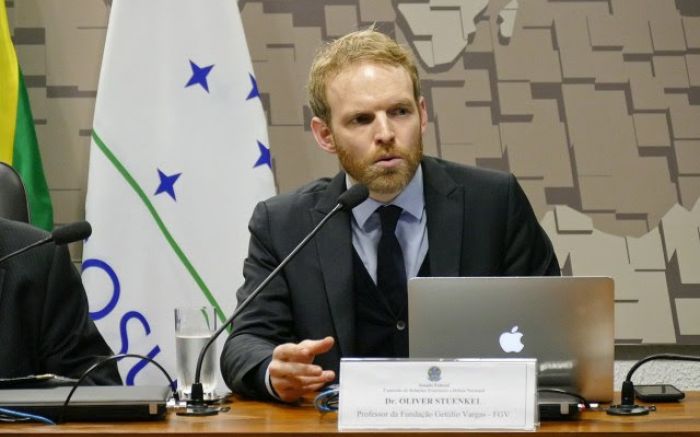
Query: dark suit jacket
x=479 y=224
x=44 y=323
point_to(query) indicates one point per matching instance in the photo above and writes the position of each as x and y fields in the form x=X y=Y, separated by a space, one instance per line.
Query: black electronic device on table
x=658 y=393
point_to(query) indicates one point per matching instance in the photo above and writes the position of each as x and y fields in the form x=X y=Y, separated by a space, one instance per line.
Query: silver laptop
x=567 y=323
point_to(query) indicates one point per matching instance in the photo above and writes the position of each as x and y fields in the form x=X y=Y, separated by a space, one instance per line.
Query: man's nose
x=384 y=131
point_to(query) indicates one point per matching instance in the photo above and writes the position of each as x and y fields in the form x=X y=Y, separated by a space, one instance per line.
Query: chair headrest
x=13 y=197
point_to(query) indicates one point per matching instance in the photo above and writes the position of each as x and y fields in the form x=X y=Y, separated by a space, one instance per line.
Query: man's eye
x=400 y=111
x=362 y=119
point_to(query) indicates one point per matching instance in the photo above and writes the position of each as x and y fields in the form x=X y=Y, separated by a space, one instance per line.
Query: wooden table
x=254 y=418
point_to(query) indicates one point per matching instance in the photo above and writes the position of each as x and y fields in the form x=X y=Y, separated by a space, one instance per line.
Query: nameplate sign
x=425 y=394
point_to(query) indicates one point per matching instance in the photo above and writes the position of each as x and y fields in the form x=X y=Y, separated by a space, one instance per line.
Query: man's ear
x=323 y=135
x=423 y=111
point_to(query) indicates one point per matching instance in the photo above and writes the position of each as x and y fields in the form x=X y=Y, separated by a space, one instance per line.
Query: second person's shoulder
x=468 y=175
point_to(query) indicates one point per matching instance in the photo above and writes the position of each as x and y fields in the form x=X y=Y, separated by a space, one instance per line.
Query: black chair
x=13 y=198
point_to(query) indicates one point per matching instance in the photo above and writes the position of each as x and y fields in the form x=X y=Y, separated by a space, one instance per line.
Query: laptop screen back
x=567 y=323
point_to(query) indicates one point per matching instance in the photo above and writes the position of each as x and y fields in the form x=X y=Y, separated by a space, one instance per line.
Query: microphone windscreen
x=353 y=196
x=71 y=232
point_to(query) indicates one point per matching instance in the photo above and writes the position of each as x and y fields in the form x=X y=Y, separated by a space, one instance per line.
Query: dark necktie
x=391 y=273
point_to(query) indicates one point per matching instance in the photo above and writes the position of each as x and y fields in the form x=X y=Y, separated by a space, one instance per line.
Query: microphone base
x=196 y=406
x=198 y=410
x=629 y=410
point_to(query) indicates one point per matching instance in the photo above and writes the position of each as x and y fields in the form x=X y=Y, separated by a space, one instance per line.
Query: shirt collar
x=410 y=200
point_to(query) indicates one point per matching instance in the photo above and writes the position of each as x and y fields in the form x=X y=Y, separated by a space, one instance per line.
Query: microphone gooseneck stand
x=196 y=406
x=627 y=407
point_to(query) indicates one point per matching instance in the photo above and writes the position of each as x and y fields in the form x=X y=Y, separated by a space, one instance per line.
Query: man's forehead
x=370 y=82
x=367 y=70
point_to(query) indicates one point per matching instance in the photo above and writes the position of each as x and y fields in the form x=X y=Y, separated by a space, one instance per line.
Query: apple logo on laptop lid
x=511 y=342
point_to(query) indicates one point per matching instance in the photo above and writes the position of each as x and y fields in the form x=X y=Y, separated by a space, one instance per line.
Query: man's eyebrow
x=407 y=102
x=398 y=102
x=355 y=113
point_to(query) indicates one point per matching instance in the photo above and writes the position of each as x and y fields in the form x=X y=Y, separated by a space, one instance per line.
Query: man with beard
x=344 y=295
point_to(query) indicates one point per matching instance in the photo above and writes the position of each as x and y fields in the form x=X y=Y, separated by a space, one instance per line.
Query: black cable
x=105 y=360
x=672 y=357
x=577 y=396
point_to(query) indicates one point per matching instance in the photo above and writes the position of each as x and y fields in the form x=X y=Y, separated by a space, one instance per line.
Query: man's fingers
x=325 y=377
x=283 y=368
x=310 y=388
x=289 y=390
x=291 y=352
x=299 y=371
x=301 y=382
x=302 y=352
x=317 y=347
x=291 y=386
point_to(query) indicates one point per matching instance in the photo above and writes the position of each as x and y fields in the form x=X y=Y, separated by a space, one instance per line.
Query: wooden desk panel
x=254 y=418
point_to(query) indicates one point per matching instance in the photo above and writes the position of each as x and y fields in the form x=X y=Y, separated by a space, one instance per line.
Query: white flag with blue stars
x=179 y=158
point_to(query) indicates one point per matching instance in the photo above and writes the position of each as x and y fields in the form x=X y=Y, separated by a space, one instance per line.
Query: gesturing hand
x=291 y=372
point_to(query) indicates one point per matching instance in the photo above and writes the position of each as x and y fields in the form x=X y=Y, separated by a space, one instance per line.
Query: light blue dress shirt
x=411 y=229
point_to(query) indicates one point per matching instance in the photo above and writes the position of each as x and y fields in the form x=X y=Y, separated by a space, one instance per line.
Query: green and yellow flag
x=18 y=144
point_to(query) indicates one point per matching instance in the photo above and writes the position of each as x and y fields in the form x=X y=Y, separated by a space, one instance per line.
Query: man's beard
x=379 y=179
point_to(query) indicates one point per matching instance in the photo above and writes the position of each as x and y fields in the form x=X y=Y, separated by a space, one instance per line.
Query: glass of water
x=194 y=326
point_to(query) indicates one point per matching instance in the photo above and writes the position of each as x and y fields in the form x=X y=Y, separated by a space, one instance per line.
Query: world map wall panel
x=593 y=104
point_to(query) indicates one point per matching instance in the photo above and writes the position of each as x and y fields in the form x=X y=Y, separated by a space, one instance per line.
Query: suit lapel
x=444 y=204
x=334 y=245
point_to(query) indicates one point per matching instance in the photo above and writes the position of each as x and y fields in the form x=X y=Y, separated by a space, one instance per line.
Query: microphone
x=346 y=201
x=65 y=234
x=351 y=198
x=71 y=233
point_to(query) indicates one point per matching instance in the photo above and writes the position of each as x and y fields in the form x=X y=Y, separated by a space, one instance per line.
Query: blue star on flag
x=265 y=158
x=199 y=75
x=254 y=91
x=167 y=184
